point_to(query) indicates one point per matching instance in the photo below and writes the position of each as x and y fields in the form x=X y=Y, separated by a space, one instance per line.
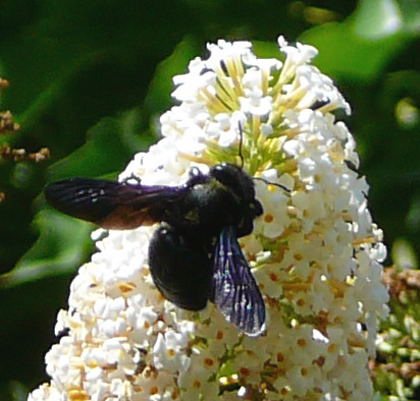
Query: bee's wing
x=111 y=204
x=235 y=290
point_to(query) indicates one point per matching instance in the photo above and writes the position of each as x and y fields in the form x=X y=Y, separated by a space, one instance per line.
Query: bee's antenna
x=240 y=145
x=272 y=183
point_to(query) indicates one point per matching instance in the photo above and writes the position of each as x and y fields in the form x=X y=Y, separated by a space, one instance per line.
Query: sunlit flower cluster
x=315 y=252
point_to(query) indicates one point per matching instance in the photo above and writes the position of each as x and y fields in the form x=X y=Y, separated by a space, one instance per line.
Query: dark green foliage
x=397 y=366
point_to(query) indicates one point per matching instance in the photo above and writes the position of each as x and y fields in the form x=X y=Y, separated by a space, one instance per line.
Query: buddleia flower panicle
x=315 y=252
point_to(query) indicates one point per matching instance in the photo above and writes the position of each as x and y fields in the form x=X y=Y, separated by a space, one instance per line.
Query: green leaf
x=267 y=49
x=109 y=146
x=18 y=391
x=375 y=19
x=158 y=98
x=64 y=241
x=61 y=246
x=410 y=10
x=403 y=254
x=346 y=55
x=362 y=46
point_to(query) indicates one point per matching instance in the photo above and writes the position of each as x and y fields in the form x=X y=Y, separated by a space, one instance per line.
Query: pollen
x=92 y=365
x=244 y=372
x=268 y=218
x=208 y=362
x=301 y=342
x=147 y=372
x=127 y=287
x=300 y=302
x=284 y=391
x=77 y=394
x=319 y=361
x=332 y=347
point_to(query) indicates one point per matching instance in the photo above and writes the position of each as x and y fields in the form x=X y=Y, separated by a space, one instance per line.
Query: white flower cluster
x=315 y=252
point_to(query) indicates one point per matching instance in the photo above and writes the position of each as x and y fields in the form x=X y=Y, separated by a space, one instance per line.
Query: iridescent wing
x=111 y=204
x=235 y=291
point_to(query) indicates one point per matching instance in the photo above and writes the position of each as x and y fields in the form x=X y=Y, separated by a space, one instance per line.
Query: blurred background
x=88 y=81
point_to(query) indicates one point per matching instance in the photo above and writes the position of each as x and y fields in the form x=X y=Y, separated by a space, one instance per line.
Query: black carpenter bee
x=194 y=254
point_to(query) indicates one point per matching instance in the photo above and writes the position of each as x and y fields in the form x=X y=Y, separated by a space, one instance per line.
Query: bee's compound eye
x=226 y=173
x=194 y=172
x=196 y=177
x=220 y=167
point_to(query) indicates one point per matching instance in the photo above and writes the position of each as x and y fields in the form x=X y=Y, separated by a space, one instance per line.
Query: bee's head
x=235 y=178
x=242 y=186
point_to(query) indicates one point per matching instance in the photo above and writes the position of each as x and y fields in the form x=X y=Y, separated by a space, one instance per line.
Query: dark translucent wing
x=111 y=204
x=235 y=290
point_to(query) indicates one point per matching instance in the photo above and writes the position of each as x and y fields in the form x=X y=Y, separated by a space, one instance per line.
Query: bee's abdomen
x=180 y=267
